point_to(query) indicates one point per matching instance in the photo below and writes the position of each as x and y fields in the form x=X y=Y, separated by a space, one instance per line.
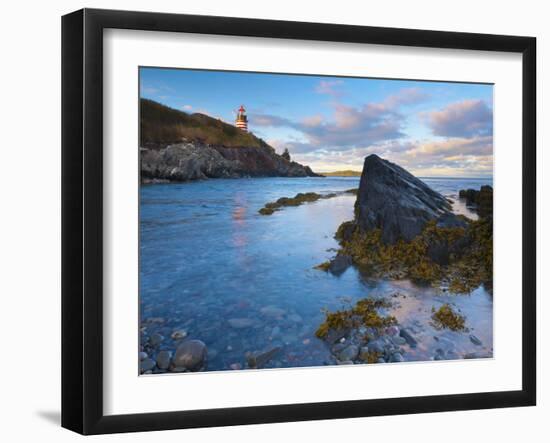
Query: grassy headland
x=161 y=125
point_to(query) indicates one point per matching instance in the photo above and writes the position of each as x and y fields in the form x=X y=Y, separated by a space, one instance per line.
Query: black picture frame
x=82 y=220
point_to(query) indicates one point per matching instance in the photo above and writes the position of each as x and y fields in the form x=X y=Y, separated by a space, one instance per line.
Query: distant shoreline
x=346 y=173
x=358 y=174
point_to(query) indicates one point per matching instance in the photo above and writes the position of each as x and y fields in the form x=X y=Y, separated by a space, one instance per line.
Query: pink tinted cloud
x=467 y=118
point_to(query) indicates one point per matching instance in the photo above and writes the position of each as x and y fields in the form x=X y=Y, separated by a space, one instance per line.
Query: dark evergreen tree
x=286 y=154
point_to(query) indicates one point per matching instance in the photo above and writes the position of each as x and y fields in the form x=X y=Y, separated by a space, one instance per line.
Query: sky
x=433 y=129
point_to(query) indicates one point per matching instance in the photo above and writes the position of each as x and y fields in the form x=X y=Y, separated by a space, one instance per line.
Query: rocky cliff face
x=193 y=160
x=395 y=201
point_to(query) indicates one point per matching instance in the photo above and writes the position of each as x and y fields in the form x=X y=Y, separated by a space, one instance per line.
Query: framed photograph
x=269 y=221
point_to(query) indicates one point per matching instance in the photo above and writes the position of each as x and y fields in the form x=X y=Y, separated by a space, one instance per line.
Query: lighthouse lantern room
x=242 y=121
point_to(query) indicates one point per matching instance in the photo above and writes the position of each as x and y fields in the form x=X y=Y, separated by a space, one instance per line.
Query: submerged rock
x=191 y=355
x=156 y=339
x=241 y=323
x=376 y=346
x=349 y=353
x=146 y=365
x=296 y=318
x=163 y=359
x=476 y=341
x=179 y=334
x=396 y=357
x=258 y=359
x=392 y=330
x=395 y=201
x=339 y=264
x=411 y=341
x=272 y=311
x=276 y=331
x=399 y=341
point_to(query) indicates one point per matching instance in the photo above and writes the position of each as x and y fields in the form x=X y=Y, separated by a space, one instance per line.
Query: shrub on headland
x=161 y=125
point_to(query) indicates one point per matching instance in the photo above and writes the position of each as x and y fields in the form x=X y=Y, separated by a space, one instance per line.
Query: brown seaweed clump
x=297 y=200
x=458 y=257
x=446 y=318
x=364 y=313
x=325 y=266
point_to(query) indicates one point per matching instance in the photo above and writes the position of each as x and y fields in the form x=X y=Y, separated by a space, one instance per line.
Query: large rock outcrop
x=396 y=202
x=192 y=161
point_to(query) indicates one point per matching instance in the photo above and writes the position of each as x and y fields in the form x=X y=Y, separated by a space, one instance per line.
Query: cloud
x=453 y=146
x=269 y=120
x=149 y=90
x=329 y=87
x=349 y=126
x=186 y=107
x=350 y=133
x=456 y=157
x=158 y=89
x=312 y=121
x=406 y=96
x=467 y=118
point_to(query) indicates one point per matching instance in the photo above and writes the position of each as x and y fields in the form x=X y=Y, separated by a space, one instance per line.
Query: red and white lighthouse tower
x=242 y=121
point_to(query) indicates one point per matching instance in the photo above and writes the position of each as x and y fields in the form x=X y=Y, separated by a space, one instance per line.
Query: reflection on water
x=239 y=281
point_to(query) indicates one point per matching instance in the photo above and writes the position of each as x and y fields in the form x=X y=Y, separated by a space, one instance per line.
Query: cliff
x=176 y=146
x=193 y=160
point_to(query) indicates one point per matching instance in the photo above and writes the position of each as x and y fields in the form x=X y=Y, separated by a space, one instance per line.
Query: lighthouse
x=242 y=121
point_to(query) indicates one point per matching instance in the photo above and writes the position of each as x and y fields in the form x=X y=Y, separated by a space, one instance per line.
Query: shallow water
x=240 y=281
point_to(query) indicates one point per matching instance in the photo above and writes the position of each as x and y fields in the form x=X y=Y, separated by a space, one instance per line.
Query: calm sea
x=207 y=256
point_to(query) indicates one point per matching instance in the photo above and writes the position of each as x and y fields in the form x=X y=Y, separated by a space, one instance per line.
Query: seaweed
x=323 y=266
x=467 y=261
x=297 y=200
x=371 y=356
x=446 y=318
x=364 y=313
x=266 y=211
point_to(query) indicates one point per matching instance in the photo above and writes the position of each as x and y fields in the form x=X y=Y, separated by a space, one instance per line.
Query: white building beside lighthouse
x=242 y=121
